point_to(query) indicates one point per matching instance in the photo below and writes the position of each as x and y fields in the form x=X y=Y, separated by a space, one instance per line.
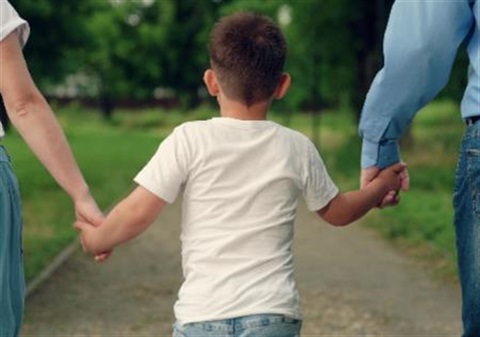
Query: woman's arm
x=35 y=121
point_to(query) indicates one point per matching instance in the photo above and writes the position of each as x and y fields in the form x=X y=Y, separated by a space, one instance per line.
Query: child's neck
x=238 y=110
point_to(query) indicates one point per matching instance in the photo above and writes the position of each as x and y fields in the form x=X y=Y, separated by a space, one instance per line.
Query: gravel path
x=352 y=284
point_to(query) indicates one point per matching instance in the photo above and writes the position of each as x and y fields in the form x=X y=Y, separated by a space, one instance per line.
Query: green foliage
x=140 y=46
x=185 y=52
x=266 y=7
x=127 y=49
x=123 y=56
x=423 y=222
x=58 y=34
x=318 y=57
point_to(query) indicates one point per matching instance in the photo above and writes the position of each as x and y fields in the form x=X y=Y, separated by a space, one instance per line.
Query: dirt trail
x=352 y=284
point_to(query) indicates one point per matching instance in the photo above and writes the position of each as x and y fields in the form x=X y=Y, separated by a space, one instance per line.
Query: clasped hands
x=87 y=212
x=392 y=198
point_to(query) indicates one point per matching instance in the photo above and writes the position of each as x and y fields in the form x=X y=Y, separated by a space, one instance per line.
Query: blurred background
x=136 y=53
x=120 y=74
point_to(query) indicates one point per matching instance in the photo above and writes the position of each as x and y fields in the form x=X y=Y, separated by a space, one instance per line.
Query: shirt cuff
x=380 y=155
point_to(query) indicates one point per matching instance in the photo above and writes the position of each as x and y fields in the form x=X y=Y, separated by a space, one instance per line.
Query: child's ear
x=211 y=82
x=283 y=86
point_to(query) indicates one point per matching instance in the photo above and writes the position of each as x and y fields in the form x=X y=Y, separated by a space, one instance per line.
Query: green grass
x=111 y=153
x=109 y=159
x=422 y=224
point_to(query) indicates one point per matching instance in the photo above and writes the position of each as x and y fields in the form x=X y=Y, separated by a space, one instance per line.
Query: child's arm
x=350 y=206
x=128 y=218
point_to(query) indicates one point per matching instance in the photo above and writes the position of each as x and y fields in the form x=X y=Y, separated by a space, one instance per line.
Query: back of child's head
x=247 y=53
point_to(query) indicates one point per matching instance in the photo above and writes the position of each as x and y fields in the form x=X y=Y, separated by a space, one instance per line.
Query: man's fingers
x=399 y=167
x=404 y=180
x=392 y=198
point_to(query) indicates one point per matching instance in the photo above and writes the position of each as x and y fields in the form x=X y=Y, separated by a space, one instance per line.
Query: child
x=241 y=176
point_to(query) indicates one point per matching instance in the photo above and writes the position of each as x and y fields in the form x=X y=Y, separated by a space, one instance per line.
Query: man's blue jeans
x=466 y=200
x=248 y=326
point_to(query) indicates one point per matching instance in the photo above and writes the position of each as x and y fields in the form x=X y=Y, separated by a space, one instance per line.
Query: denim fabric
x=12 y=282
x=466 y=200
x=248 y=326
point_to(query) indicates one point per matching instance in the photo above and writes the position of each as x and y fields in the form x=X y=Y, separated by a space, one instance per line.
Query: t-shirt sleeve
x=166 y=171
x=10 y=21
x=319 y=189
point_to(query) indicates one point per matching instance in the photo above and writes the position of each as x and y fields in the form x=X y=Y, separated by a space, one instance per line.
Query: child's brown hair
x=247 y=53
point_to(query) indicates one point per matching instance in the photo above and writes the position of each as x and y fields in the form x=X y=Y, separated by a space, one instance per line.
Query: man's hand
x=392 y=198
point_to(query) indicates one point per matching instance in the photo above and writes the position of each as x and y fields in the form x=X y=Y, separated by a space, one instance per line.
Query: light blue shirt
x=420 y=46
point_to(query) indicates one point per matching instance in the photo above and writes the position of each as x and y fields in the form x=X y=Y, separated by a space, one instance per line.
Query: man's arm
x=129 y=218
x=35 y=121
x=420 y=46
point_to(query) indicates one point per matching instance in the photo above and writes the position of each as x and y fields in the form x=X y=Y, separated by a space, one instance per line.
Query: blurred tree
x=139 y=46
x=368 y=22
x=266 y=7
x=129 y=48
x=335 y=50
x=184 y=54
x=320 y=60
x=54 y=42
x=115 y=47
x=58 y=33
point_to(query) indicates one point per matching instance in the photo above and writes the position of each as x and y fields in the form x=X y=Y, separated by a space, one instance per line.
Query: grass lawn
x=109 y=158
x=110 y=154
x=423 y=222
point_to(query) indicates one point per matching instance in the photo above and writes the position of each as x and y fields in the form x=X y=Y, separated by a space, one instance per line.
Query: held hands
x=87 y=238
x=86 y=210
x=395 y=177
x=88 y=216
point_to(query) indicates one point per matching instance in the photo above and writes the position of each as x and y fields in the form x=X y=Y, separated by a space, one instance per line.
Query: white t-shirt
x=241 y=181
x=9 y=22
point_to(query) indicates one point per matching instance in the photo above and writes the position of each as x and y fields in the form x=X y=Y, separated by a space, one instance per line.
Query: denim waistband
x=4 y=157
x=242 y=322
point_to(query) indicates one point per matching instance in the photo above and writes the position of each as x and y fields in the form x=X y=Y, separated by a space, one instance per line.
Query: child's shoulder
x=203 y=128
x=190 y=126
x=294 y=134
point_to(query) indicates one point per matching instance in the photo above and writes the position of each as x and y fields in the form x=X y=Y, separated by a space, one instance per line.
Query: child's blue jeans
x=248 y=326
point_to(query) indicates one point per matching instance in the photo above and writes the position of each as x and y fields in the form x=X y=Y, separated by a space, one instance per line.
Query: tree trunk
x=371 y=28
x=106 y=106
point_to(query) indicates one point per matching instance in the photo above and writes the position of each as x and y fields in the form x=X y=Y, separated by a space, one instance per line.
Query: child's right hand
x=391 y=177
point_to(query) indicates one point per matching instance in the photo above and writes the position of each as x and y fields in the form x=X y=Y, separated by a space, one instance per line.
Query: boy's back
x=242 y=176
x=241 y=182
